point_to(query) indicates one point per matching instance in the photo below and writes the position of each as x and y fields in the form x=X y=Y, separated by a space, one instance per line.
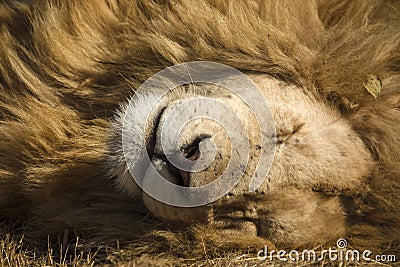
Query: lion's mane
x=65 y=67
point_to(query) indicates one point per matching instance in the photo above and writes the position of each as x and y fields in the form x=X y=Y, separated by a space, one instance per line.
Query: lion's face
x=318 y=157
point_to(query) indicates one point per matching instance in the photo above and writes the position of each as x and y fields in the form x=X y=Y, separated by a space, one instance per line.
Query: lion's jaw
x=317 y=158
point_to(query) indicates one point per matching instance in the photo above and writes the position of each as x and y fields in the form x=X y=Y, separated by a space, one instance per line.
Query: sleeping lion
x=118 y=121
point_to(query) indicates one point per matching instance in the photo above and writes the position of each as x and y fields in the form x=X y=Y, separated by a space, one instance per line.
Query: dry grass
x=16 y=254
x=13 y=253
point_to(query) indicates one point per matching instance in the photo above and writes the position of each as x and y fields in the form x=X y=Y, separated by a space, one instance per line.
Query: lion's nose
x=182 y=177
x=189 y=159
x=190 y=152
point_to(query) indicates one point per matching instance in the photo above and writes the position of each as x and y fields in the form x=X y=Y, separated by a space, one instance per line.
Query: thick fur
x=66 y=66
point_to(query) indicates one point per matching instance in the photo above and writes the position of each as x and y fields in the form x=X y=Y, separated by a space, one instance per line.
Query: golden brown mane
x=66 y=66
